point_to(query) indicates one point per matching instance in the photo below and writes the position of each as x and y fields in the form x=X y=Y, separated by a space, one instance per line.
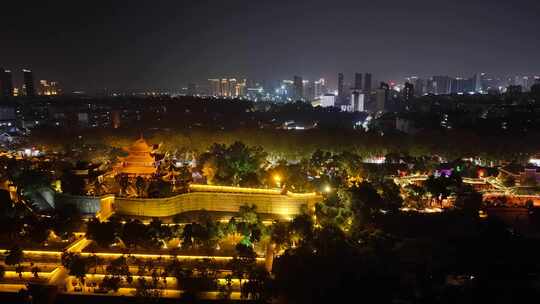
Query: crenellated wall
x=284 y=205
x=210 y=198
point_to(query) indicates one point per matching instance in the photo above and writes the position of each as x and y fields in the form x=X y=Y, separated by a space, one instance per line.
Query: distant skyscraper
x=367 y=83
x=479 y=80
x=341 y=92
x=367 y=89
x=224 y=88
x=419 y=85
x=240 y=88
x=214 y=87
x=358 y=81
x=286 y=90
x=381 y=97
x=309 y=90
x=191 y=89
x=460 y=85
x=430 y=86
x=298 y=88
x=408 y=91
x=48 y=88
x=357 y=101
x=29 y=82
x=6 y=83
x=441 y=84
x=320 y=87
x=328 y=100
x=232 y=87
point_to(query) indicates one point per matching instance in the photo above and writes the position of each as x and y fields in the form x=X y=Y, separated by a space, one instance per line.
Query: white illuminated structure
x=535 y=160
x=328 y=100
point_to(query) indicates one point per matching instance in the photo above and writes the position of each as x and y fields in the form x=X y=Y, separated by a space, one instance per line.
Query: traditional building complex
x=139 y=161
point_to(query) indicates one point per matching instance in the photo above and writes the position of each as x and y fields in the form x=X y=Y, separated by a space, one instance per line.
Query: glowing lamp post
x=327 y=189
x=277 y=179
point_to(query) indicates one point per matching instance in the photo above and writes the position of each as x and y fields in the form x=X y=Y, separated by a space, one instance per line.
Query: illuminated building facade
x=227 y=87
x=6 y=83
x=367 y=83
x=48 y=88
x=357 y=101
x=298 y=88
x=214 y=87
x=28 y=78
x=320 y=87
x=358 y=81
x=308 y=90
x=240 y=88
x=328 y=100
x=139 y=161
x=341 y=88
x=408 y=91
x=191 y=89
x=441 y=85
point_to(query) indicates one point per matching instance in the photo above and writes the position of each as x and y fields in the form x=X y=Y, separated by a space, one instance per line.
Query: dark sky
x=165 y=44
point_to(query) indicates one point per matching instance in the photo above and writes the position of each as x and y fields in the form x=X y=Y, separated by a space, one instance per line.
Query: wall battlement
x=209 y=198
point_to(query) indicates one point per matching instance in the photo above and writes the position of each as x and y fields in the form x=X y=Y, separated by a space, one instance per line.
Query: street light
x=327 y=189
x=277 y=179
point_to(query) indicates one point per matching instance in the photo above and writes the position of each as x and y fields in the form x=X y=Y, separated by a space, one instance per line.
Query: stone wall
x=286 y=205
x=85 y=204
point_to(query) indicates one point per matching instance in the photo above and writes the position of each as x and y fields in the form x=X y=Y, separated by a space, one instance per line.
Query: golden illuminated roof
x=139 y=160
x=139 y=145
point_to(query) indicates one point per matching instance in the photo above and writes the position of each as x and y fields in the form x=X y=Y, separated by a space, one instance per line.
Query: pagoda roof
x=140 y=146
x=139 y=160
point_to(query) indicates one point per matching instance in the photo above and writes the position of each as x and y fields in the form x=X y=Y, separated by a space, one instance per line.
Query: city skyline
x=103 y=46
x=17 y=82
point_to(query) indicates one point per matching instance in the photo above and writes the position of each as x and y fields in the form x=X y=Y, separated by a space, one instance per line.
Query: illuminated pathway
x=58 y=275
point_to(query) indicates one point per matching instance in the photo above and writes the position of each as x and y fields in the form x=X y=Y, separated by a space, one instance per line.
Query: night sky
x=165 y=44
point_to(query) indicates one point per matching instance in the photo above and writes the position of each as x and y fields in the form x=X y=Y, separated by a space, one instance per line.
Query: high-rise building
x=240 y=88
x=309 y=90
x=479 y=82
x=408 y=91
x=224 y=88
x=420 y=86
x=441 y=85
x=232 y=87
x=381 y=97
x=328 y=100
x=191 y=89
x=214 y=87
x=358 y=81
x=6 y=83
x=341 y=92
x=357 y=101
x=320 y=87
x=48 y=88
x=430 y=86
x=367 y=90
x=298 y=88
x=460 y=85
x=367 y=83
x=28 y=83
x=286 y=91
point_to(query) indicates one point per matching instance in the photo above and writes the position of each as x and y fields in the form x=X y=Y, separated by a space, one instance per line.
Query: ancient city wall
x=284 y=205
x=85 y=204
x=210 y=198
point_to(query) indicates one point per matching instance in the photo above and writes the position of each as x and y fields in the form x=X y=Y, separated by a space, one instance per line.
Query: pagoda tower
x=139 y=161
